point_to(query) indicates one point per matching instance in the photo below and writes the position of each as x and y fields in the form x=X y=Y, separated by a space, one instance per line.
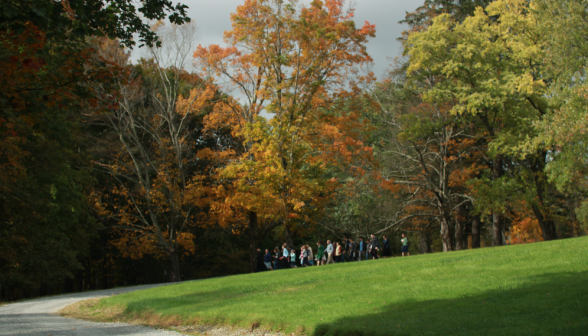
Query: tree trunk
x=445 y=236
x=496 y=217
x=476 y=232
x=424 y=242
x=547 y=224
x=458 y=236
x=496 y=229
x=289 y=236
x=174 y=260
x=253 y=241
x=459 y=229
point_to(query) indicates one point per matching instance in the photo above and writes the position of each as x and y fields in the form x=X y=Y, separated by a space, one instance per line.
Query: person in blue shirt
x=361 y=249
x=329 y=252
x=293 y=259
x=267 y=260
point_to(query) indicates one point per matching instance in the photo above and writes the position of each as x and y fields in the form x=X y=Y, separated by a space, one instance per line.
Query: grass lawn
x=534 y=289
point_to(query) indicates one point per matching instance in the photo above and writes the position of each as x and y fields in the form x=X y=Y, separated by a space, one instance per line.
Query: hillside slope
x=534 y=289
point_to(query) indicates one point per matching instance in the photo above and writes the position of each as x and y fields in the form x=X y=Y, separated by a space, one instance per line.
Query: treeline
x=179 y=166
x=64 y=73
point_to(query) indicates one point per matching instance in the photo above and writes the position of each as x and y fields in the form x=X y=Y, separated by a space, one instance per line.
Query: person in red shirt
x=338 y=253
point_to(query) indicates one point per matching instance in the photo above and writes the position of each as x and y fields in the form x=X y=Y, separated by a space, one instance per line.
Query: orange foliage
x=526 y=230
x=159 y=181
x=291 y=64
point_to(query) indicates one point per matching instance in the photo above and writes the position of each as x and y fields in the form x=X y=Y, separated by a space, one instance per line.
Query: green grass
x=534 y=289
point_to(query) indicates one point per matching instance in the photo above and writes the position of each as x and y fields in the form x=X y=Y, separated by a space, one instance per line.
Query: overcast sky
x=213 y=18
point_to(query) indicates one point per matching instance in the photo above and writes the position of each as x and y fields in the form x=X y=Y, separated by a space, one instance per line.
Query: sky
x=213 y=17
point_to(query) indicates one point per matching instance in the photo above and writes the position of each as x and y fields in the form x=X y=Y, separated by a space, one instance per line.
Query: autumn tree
x=288 y=61
x=362 y=202
x=46 y=71
x=159 y=194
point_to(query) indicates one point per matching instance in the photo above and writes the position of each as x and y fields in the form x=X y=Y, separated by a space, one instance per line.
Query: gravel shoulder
x=39 y=317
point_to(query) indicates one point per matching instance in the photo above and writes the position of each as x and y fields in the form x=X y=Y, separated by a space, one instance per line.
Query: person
x=329 y=253
x=375 y=247
x=404 y=241
x=303 y=256
x=268 y=260
x=361 y=248
x=338 y=252
x=277 y=265
x=285 y=256
x=320 y=254
x=386 y=253
x=293 y=258
x=368 y=251
x=310 y=255
x=352 y=250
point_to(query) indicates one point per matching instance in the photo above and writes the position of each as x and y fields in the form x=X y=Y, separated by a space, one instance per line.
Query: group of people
x=333 y=252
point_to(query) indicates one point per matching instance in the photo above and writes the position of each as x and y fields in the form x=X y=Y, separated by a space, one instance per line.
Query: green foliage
x=564 y=128
x=46 y=225
x=491 y=67
x=582 y=214
x=458 y=9
x=74 y=20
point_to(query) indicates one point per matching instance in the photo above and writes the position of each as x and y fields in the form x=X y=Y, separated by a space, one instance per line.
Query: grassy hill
x=534 y=289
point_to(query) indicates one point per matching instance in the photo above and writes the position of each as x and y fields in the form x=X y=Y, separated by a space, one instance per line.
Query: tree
x=459 y=10
x=45 y=221
x=73 y=20
x=401 y=129
x=492 y=69
x=429 y=153
x=159 y=194
x=47 y=74
x=563 y=128
x=290 y=61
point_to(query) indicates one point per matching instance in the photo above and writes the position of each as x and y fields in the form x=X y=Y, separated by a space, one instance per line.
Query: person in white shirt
x=303 y=256
x=329 y=251
x=404 y=241
x=285 y=256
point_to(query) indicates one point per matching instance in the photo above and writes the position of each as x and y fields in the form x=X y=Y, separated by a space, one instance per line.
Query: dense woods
x=181 y=164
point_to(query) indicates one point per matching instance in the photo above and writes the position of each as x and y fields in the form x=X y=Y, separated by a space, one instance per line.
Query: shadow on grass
x=551 y=304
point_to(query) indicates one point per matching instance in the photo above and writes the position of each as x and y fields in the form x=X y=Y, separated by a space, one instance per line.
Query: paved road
x=39 y=318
